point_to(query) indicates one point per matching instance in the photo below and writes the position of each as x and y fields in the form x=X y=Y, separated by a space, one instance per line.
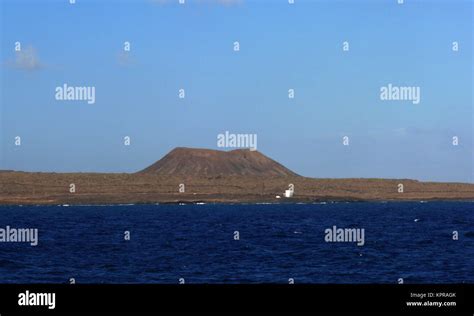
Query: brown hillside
x=192 y=162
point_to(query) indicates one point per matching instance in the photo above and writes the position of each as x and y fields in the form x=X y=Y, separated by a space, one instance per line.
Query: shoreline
x=226 y=202
x=23 y=188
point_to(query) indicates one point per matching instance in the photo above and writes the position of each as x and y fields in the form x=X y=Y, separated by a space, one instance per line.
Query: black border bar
x=291 y=299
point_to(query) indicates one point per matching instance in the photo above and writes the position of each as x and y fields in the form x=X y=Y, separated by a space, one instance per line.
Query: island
x=190 y=175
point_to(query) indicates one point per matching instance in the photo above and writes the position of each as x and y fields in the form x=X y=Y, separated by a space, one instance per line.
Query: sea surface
x=278 y=242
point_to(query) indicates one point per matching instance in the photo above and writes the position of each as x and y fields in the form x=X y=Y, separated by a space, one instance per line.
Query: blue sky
x=282 y=46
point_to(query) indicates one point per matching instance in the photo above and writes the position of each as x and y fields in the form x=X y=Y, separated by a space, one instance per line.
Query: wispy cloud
x=419 y=131
x=124 y=58
x=26 y=59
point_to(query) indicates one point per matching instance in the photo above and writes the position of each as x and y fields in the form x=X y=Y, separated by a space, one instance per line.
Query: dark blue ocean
x=411 y=240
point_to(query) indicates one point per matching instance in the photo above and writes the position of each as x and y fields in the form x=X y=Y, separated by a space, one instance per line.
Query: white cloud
x=124 y=58
x=27 y=59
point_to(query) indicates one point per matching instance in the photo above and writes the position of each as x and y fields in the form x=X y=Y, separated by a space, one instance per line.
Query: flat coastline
x=24 y=188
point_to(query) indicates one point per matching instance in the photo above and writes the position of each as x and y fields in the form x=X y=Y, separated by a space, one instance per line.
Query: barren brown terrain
x=238 y=176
